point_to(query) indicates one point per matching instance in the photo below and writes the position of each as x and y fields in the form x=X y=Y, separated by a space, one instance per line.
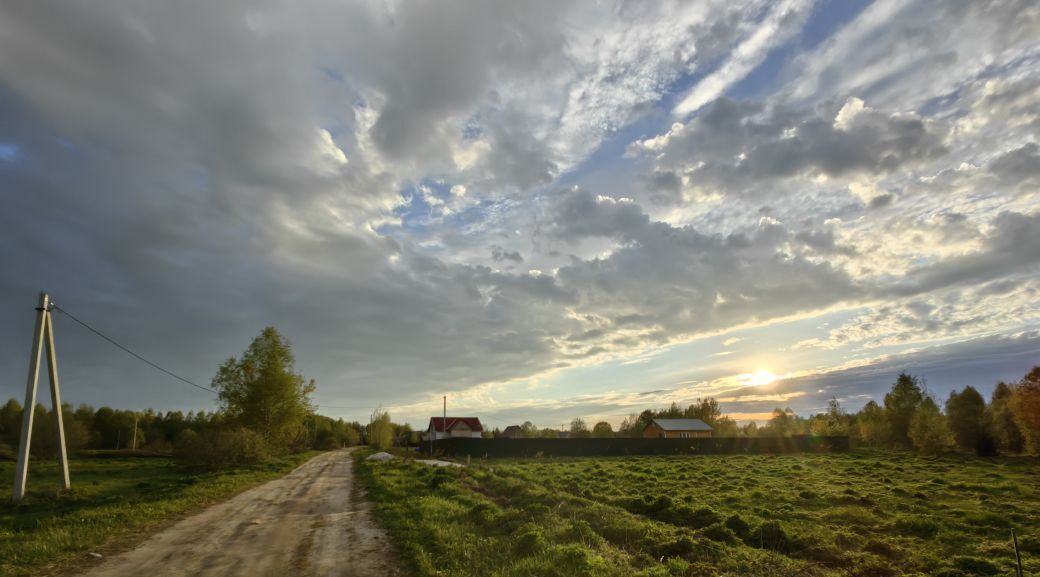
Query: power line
x=125 y=349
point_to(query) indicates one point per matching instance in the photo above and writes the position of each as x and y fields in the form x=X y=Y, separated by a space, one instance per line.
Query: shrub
x=225 y=449
x=381 y=431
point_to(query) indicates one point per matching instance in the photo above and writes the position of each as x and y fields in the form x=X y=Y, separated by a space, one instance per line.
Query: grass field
x=860 y=513
x=112 y=500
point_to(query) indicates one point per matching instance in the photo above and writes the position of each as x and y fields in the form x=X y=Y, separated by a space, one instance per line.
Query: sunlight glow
x=761 y=378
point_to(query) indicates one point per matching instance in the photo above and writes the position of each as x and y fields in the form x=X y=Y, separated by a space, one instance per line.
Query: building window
x=684 y=435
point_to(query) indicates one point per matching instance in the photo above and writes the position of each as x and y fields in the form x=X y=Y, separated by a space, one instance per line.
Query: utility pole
x=43 y=337
x=133 y=444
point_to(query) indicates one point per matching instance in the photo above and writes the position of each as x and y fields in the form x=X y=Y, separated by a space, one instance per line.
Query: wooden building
x=677 y=429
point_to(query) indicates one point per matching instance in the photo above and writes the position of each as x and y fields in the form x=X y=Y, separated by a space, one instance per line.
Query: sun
x=762 y=378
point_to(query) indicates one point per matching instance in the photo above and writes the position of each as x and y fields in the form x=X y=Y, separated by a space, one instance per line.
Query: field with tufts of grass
x=859 y=513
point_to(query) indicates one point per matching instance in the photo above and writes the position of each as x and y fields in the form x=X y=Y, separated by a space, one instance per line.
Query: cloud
x=499 y=254
x=903 y=53
x=736 y=146
x=782 y=22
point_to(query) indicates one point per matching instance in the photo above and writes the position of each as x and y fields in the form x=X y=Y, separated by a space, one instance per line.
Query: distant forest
x=907 y=418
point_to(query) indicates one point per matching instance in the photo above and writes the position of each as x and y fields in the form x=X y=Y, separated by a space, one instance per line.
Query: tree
x=263 y=392
x=1025 y=405
x=578 y=428
x=873 y=425
x=630 y=427
x=929 y=431
x=10 y=423
x=966 y=413
x=783 y=424
x=900 y=405
x=1000 y=420
x=750 y=429
x=725 y=427
x=834 y=422
x=602 y=430
x=528 y=430
x=381 y=430
x=706 y=409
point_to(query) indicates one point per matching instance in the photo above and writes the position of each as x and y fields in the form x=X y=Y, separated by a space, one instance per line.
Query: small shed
x=677 y=429
x=443 y=428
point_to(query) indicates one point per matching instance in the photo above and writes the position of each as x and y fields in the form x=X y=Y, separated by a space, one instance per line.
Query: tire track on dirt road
x=311 y=522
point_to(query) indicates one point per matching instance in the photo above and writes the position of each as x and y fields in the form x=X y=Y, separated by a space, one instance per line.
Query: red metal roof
x=438 y=423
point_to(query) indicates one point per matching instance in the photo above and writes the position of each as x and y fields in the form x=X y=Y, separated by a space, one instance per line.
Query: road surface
x=313 y=521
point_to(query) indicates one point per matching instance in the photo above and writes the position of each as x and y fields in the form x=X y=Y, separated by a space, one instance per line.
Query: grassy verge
x=863 y=513
x=112 y=500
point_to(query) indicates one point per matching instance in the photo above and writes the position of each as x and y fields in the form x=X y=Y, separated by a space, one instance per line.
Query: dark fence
x=617 y=447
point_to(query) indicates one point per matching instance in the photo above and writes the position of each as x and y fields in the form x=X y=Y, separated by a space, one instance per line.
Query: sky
x=542 y=210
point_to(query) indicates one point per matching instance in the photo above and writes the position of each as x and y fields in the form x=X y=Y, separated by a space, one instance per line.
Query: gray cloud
x=1013 y=247
x=735 y=146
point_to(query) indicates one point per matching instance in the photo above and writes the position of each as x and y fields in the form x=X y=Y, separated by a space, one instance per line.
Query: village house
x=510 y=432
x=677 y=429
x=443 y=428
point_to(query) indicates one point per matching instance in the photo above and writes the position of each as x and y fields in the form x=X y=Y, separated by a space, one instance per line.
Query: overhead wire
x=132 y=353
x=159 y=367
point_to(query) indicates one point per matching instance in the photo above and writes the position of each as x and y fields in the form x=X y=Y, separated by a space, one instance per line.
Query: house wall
x=653 y=431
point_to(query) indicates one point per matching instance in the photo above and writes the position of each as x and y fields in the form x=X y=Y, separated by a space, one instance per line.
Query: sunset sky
x=541 y=209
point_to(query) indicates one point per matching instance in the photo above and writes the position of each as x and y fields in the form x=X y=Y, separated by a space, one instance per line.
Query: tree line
x=908 y=418
x=265 y=411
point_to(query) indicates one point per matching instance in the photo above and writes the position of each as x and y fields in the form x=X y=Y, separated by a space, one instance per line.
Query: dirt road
x=313 y=521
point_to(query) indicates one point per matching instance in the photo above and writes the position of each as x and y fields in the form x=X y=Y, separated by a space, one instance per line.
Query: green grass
x=861 y=513
x=111 y=499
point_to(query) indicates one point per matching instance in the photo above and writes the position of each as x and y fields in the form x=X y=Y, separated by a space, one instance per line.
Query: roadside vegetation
x=112 y=502
x=869 y=513
x=133 y=469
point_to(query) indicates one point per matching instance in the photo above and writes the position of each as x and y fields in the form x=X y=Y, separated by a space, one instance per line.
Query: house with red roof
x=445 y=427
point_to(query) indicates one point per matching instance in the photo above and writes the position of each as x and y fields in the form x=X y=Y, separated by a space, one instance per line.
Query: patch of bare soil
x=314 y=521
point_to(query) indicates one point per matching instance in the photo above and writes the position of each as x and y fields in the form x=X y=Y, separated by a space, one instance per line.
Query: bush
x=381 y=431
x=228 y=449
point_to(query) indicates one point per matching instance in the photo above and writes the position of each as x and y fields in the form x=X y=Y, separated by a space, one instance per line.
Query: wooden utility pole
x=43 y=337
x=133 y=444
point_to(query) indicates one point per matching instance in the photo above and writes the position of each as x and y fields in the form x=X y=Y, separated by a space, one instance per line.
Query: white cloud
x=783 y=21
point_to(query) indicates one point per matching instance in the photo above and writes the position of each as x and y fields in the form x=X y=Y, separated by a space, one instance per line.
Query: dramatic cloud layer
x=543 y=209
